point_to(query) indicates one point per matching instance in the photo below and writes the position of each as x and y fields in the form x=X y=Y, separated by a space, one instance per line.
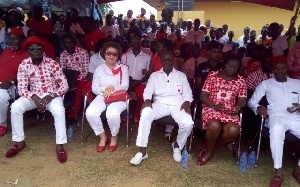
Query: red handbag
x=120 y=95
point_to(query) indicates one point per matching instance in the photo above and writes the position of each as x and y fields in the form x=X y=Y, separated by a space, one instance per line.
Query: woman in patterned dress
x=223 y=95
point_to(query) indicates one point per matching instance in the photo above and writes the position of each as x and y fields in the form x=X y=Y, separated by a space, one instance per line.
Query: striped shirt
x=257 y=77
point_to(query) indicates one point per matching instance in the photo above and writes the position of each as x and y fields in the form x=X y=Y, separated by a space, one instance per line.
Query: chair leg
x=259 y=140
x=83 y=114
x=127 y=126
x=253 y=141
x=192 y=133
x=75 y=117
x=239 y=147
x=191 y=140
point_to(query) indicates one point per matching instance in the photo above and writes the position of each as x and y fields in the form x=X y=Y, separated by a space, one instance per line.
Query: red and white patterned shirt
x=79 y=61
x=257 y=77
x=48 y=77
x=294 y=61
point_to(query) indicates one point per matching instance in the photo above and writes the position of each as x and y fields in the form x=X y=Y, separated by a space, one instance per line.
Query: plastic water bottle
x=184 y=159
x=70 y=134
x=251 y=160
x=243 y=162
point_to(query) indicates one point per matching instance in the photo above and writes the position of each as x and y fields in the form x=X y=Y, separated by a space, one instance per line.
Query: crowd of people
x=167 y=66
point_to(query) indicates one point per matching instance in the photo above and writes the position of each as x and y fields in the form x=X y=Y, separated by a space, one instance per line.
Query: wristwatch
x=213 y=107
x=53 y=95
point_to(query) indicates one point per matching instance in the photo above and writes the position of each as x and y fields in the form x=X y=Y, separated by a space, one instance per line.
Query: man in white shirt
x=110 y=30
x=172 y=95
x=280 y=45
x=246 y=36
x=138 y=64
x=282 y=93
x=196 y=35
x=225 y=35
x=96 y=59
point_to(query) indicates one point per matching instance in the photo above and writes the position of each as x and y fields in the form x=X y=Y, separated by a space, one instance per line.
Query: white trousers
x=158 y=110
x=278 y=126
x=56 y=107
x=113 y=112
x=4 y=98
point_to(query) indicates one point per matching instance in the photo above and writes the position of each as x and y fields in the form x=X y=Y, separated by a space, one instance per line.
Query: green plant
x=104 y=8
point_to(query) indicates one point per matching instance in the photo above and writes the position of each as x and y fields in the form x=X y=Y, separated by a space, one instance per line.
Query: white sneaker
x=138 y=158
x=176 y=153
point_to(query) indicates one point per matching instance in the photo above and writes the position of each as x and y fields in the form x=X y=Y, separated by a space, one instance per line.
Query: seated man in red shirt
x=38 y=23
x=41 y=83
x=9 y=63
x=92 y=34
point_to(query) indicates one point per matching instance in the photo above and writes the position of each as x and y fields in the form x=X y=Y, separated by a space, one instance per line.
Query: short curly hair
x=112 y=45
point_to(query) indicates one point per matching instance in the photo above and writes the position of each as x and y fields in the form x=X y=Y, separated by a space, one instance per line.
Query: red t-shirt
x=161 y=35
x=92 y=38
x=157 y=65
x=9 y=63
x=42 y=26
x=49 y=50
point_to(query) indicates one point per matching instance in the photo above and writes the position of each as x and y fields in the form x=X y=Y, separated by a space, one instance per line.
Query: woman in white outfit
x=108 y=78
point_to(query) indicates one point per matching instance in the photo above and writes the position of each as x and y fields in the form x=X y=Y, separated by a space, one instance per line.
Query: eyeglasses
x=38 y=48
x=109 y=53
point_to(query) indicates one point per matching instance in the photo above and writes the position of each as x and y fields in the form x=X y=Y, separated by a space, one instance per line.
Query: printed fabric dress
x=222 y=91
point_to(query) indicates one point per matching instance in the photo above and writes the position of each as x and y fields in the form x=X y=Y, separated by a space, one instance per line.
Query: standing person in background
x=234 y=45
x=92 y=34
x=241 y=39
x=225 y=36
x=183 y=28
x=142 y=16
x=161 y=33
x=178 y=42
x=152 y=19
x=280 y=44
x=109 y=29
x=167 y=13
x=128 y=17
x=38 y=23
x=75 y=27
x=152 y=33
x=196 y=35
